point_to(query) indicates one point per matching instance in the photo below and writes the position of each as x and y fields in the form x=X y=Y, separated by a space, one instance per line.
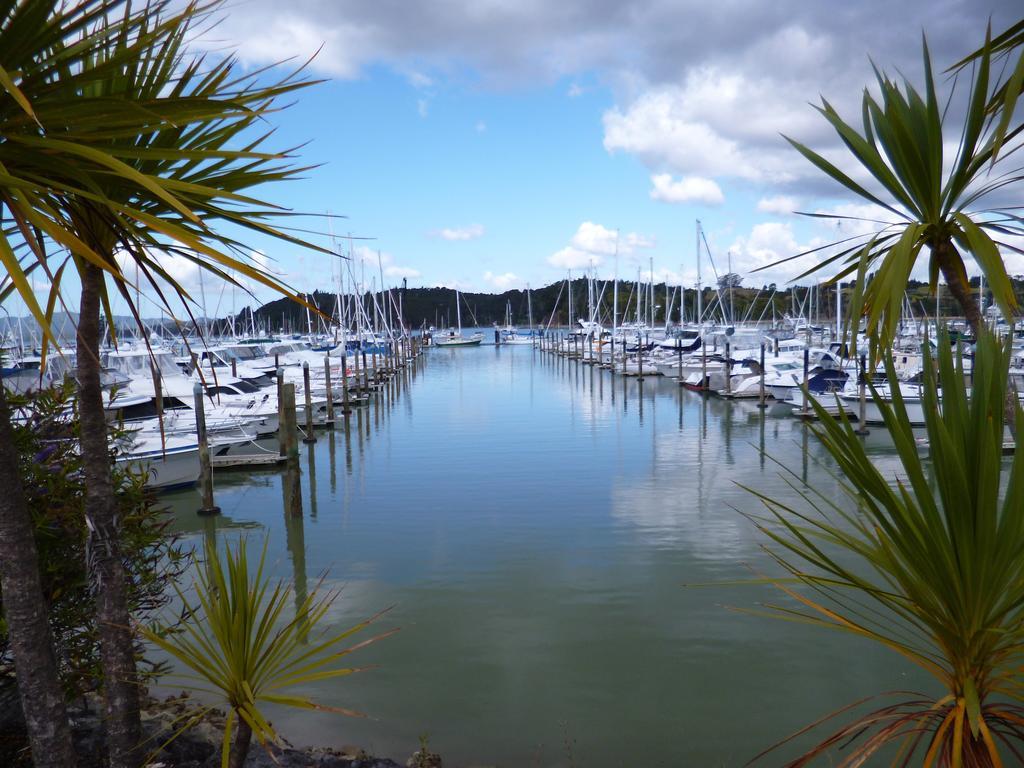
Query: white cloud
x=783 y=205
x=502 y=282
x=716 y=124
x=376 y=261
x=422 y=107
x=689 y=189
x=472 y=232
x=419 y=80
x=593 y=243
x=574 y=258
x=765 y=245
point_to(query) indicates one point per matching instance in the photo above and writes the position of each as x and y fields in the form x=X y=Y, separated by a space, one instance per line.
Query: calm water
x=535 y=523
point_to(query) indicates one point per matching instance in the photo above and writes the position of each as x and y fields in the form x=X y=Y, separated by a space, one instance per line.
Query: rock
x=424 y=758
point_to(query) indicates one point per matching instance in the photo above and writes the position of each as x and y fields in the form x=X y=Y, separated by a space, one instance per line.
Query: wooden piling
x=703 y=363
x=290 y=427
x=291 y=480
x=805 y=413
x=330 y=392
x=862 y=426
x=310 y=434
x=207 y=506
x=761 y=394
x=282 y=447
x=345 y=409
x=728 y=368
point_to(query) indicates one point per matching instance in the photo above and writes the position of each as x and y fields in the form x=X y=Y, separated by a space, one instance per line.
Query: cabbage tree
x=131 y=149
x=944 y=206
x=927 y=561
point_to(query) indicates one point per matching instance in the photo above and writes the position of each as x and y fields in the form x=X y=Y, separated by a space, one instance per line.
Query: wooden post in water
x=703 y=363
x=345 y=409
x=291 y=427
x=330 y=393
x=862 y=426
x=728 y=368
x=640 y=358
x=761 y=395
x=291 y=474
x=612 y=358
x=804 y=413
x=679 y=360
x=366 y=374
x=234 y=368
x=310 y=435
x=205 y=470
x=282 y=447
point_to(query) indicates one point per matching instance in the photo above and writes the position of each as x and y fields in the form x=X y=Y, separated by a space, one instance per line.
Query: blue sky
x=489 y=144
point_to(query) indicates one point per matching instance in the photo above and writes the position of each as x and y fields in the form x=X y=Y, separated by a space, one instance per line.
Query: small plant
x=231 y=640
x=929 y=564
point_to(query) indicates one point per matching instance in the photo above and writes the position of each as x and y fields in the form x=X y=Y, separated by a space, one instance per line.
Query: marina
x=511 y=385
x=535 y=523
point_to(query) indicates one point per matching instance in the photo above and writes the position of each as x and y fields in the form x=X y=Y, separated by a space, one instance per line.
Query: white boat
x=170 y=463
x=453 y=338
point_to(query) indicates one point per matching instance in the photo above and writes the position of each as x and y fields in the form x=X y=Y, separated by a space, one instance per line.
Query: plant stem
x=951 y=267
x=240 y=744
x=106 y=569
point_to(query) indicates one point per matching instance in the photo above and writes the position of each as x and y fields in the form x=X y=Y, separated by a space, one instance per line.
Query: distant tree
x=729 y=280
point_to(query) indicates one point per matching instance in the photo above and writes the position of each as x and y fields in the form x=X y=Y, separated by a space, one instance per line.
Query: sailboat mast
x=732 y=306
x=570 y=298
x=639 y=298
x=458 y=311
x=615 y=289
x=682 y=298
x=700 y=288
x=839 y=310
x=650 y=302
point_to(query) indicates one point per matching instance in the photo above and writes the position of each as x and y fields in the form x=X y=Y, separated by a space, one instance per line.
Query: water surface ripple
x=533 y=522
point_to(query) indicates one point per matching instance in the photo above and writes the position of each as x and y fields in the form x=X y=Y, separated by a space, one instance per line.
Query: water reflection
x=533 y=525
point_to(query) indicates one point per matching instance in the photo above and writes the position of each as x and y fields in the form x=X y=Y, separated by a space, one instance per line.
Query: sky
x=491 y=144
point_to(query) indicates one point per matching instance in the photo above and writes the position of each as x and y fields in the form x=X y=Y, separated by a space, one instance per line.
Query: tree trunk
x=952 y=271
x=35 y=665
x=950 y=265
x=106 y=567
x=240 y=744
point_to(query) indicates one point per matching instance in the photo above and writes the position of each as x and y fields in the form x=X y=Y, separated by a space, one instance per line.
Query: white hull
x=176 y=467
x=458 y=343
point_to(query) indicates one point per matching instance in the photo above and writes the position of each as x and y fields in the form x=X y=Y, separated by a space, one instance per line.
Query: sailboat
x=453 y=338
x=512 y=335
